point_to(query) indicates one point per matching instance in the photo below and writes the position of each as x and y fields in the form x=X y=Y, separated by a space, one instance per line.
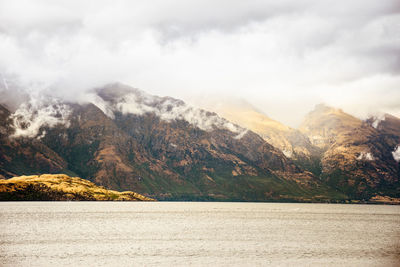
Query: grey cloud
x=275 y=54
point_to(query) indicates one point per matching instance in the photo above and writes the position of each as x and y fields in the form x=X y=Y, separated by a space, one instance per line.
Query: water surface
x=198 y=234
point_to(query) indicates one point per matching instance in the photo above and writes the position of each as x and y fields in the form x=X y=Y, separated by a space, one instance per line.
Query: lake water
x=197 y=234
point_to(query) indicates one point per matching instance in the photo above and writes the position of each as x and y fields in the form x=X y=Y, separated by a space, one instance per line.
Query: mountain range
x=125 y=139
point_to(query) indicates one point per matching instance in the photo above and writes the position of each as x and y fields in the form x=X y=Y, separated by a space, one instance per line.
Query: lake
x=198 y=234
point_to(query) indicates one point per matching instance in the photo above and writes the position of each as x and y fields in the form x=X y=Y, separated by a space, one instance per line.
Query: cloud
x=366 y=156
x=133 y=101
x=396 y=154
x=39 y=112
x=275 y=54
x=377 y=120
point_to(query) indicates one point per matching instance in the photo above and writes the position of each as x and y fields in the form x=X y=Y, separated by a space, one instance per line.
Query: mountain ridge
x=340 y=148
x=127 y=139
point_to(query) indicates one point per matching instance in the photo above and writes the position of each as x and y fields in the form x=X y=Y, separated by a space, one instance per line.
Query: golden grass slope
x=60 y=187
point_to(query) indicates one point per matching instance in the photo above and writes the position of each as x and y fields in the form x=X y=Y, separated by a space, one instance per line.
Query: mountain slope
x=357 y=157
x=388 y=127
x=24 y=155
x=291 y=142
x=60 y=187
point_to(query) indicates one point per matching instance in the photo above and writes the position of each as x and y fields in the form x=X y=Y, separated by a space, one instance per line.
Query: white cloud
x=366 y=156
x=396 y=154
x=134 y=101
x=287 y=153
x=39 y=112
x=275 y=54
x=377 y=120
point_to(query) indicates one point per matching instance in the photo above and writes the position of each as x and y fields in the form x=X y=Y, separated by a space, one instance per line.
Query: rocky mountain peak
x=324 y=124
x=290 y=141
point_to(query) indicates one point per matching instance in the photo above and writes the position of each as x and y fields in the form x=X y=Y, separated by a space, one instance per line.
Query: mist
x=282 y=57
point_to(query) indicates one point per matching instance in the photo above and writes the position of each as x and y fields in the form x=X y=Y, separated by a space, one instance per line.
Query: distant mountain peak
x=291 y=142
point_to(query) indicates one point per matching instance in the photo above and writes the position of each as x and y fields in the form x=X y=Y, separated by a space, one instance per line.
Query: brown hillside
x=60 y=187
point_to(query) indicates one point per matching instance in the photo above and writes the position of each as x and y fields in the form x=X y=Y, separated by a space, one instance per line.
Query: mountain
x=293 y=143
x=60 y=187
x=359 y=158
x=126 y=139
x=357 y=155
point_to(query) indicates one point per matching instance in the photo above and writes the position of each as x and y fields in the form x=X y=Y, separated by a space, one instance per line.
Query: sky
x=283 y=57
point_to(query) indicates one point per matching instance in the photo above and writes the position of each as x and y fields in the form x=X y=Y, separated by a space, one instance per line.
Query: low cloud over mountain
x=273 y=54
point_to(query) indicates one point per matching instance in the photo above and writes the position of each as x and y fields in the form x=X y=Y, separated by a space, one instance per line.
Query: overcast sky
x=282 y=56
